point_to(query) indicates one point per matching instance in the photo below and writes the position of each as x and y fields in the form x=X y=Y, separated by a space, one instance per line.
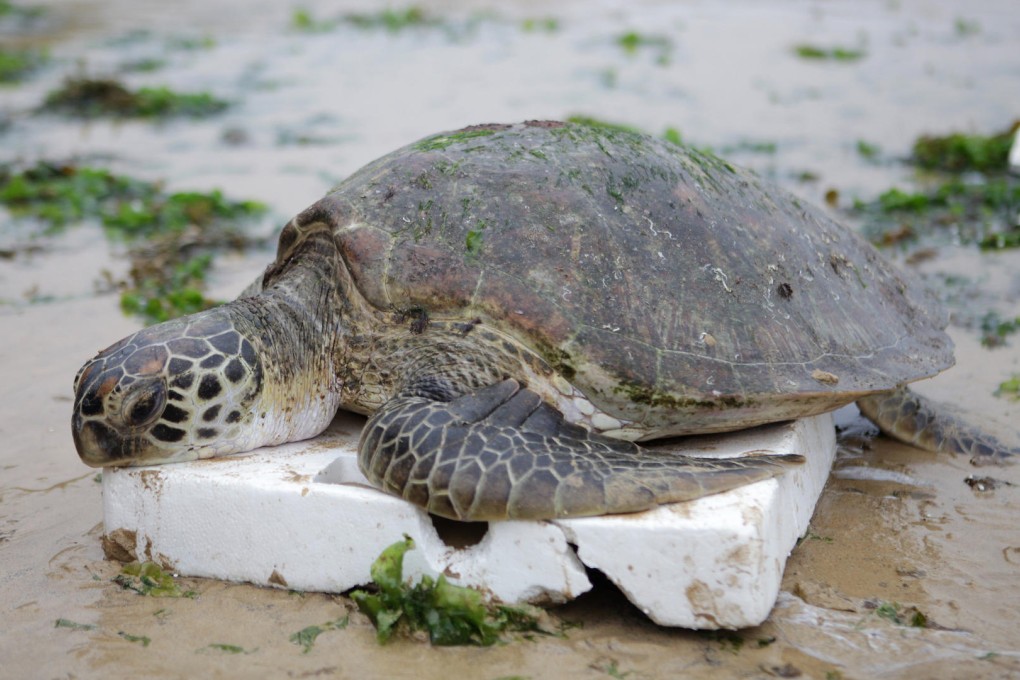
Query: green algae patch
x=392 y=20
x=228 y=648
x=149 y=579
x=473 y=239
x=962 y=152
x=440 y=142
x=995 y=330
x=974 y=211
x=20 y=13
x=963 y=190
x=105 y=97
x=813 y=52
x=901 y=615
x=172 y=235
x=306 y=637
x=143 y=640
x=16 y=65
x=59 y=194
x=73 y=625
x=642 y=394
x=603 y=125
x=540 y=25
x=673 y=136
x=160 y=213
x=165 y=290
x=1000 y=240
x=633 y=43
x=867 y=150
x=451 y=615
x=1009 y=389
x=400 y=20
x=301 y=19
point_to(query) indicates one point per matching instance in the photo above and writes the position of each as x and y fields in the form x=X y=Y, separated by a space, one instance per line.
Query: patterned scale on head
x=181 y=390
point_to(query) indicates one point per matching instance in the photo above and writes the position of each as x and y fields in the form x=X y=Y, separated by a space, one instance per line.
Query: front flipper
x=907 y=416
x=502 y=453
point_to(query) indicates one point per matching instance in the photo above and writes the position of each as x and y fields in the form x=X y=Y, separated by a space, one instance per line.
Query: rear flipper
x=913 y=419
x=502 y=453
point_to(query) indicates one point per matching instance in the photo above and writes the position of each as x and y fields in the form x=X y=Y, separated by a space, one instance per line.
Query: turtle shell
x=669 y=286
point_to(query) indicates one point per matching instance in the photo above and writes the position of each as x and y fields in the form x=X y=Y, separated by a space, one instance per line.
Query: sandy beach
x=897 y=530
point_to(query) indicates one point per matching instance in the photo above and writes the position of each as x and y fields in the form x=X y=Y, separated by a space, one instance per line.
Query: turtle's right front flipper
x=502 y=453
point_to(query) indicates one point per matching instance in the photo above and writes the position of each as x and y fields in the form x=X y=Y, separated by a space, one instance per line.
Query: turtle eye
x=144 y=404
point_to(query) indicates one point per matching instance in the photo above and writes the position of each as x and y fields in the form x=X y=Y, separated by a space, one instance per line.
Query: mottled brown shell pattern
x=661 y=281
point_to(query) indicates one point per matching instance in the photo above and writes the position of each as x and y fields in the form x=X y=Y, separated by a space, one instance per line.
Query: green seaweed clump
x=59 y=194
x=867 y=150
x=302 y=20
x=599 y=124
x=16 y=64
x=900 y=615
x=451 y=615
x=143 y=640
x=473 y=241
x=995 y=329
x=960 y=152
x=99 y=97
x=172 y=235
x=814 y=52
x=1010 y=388
x=9 y=10
x=440 y=142
x=977 y=210
x=148 y=578
x=164 y=290
x=547 y=24
x=965 y=188
x=161 y=213
x=389 y=19
x=306 y=636
x=392 y=20
x=73 y=625
x=227 y=648
x=632 y=42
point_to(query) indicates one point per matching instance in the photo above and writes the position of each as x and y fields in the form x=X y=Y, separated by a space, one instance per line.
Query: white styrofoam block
x=302 y=516
x=716 y=562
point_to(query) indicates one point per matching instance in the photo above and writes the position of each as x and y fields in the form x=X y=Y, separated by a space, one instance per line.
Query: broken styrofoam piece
x=716 y=562
x=302 y=516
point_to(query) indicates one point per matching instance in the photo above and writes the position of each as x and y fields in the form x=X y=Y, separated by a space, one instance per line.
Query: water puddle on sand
x=897 y=531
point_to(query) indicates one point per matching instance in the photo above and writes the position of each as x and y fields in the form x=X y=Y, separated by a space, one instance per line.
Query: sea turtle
x=514 y=307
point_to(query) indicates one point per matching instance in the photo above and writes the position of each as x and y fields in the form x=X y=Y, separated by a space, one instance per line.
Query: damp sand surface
x=897 y=531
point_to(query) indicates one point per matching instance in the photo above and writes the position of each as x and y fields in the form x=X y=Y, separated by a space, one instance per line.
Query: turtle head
x=258 y=371
x=185 y=389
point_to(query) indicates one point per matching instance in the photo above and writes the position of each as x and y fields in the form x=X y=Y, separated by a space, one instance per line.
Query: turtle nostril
x=145 y=403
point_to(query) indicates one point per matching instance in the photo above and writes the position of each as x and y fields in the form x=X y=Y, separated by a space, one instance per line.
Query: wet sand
x=894 y=525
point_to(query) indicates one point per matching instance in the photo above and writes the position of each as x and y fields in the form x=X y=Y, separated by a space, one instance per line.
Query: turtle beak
x=101 y=434
x=100 y=445
x=97 y=444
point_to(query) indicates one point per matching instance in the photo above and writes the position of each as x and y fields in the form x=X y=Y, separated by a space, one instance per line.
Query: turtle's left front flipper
x=916 y=420
x=502 y=453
